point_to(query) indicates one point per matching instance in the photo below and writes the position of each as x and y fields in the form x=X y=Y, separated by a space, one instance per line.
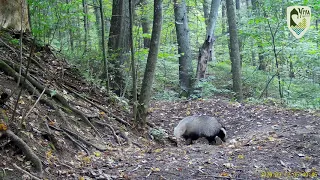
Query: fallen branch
x=25 y=172
x=26 y=150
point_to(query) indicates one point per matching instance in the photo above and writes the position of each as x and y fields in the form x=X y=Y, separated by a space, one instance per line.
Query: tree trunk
x=185 y=61
x=206 y=49
x=10 y=15
x=119 y=43
x=223 y=16
x=70 y=28
x=133 y=64
x=262 y=64
x=206 y=11
x=85 y=24
x=234 y=51
x=238 y=4
x=105 y=62
x=98 y=20
x=145 y=25
x=147 y=82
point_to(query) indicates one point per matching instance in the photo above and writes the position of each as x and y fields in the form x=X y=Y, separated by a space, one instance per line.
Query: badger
x=193 y=127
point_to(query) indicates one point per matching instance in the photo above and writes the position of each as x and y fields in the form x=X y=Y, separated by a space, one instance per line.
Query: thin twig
x=24 y=81
x=35 y=103
x=11 y=48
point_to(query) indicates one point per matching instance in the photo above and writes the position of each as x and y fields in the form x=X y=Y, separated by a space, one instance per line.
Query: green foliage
x=60 y=25
x=53 y=93
x=15 y=41
x=166 y=95
x=158 y=134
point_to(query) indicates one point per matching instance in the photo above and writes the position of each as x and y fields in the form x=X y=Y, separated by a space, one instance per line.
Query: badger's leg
x=211 y=140
x=189 y=141
x=191 y=137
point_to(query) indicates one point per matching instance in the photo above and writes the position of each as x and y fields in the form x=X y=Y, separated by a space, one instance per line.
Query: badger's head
x=222 y=134
x=179 y=131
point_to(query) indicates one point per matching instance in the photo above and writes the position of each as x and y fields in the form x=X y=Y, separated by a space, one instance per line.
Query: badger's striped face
x=223 y=134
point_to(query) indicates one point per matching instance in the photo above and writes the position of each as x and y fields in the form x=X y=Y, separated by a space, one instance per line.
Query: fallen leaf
x=155 y=169
x=158 y=150
x=97 y=154
x=228 y=165
x=3 y=127
x=224 y=174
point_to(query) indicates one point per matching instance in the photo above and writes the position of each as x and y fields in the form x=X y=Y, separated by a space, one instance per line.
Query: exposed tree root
x=77 y=143
x=86 y=142
x=64 y=102
x=112 y=130
x=26 y=150
x=11 y=72
x=32 y=85
x=25 y=172
x=101 y=108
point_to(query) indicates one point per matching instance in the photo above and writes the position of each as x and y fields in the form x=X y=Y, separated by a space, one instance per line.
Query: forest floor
x=91 y=136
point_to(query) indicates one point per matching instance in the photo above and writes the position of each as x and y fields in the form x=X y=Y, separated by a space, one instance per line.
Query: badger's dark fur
x=193 y=127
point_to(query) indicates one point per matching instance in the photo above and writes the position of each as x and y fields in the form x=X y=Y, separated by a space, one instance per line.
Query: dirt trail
x=264 y=142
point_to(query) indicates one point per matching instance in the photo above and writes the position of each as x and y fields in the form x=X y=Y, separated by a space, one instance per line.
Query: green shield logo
x=298 y=20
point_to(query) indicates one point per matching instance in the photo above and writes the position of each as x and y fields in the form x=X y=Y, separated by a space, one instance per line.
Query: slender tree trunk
x=70 y=21
x=237 y=4
x=206 y=12
x=234 y=50
x=85 y=24
x=223 y=16
x=145 y=24
x=147 y=82
x=206 y=49
x=98 y=20
x=185 y=61
x=105 y=62
x=133 y=64
x=262 y=64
